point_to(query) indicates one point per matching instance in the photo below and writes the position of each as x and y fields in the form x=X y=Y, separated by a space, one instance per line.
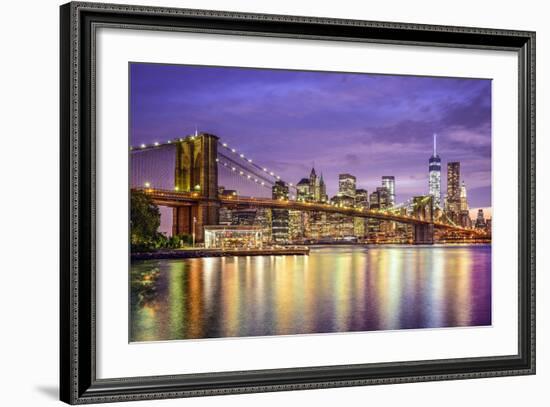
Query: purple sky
x=363 y=124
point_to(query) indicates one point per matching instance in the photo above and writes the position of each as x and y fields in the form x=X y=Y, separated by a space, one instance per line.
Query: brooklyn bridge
x=183 y=174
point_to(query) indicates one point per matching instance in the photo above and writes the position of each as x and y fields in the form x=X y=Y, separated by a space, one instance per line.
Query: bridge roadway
x=169 y=198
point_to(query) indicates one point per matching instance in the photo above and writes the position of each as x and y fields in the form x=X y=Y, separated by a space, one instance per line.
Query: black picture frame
x=78 y=382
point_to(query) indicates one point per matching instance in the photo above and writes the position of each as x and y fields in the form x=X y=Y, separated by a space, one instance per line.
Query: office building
x=480 y=220
x=388 y=182
x=346 y=185
x=434 y=182
x=279 y=217
x=453 y=188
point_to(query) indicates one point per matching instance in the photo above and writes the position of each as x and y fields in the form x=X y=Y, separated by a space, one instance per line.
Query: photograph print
x=281 y=202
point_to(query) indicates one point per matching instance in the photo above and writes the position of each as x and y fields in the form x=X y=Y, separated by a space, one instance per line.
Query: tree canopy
x=144 y=219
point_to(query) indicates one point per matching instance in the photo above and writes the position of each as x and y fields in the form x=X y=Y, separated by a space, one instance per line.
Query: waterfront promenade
x=202 y=252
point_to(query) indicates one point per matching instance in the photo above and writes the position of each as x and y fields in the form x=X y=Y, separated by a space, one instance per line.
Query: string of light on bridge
x=250 y=177
x=245 y=175
x=234 y=167
x=251 y=162
x=149 y=146
x=224 y=145
x=156 y=144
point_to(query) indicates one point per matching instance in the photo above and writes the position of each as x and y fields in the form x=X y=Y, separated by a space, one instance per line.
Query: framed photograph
x=255 y=203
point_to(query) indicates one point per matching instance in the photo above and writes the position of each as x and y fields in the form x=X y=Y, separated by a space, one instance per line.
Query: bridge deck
x=175 y=199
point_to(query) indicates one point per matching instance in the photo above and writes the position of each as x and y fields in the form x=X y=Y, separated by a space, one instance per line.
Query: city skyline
x=363 y=124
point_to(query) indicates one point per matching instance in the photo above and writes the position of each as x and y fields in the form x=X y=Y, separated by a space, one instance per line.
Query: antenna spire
x=435 y=144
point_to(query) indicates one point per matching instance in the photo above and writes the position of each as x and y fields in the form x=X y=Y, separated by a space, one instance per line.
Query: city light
x=347 y=205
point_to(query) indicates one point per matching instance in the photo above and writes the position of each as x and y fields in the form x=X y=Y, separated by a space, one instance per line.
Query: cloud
x=369 y=125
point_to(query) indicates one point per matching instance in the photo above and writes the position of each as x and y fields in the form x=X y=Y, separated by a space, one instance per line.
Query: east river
x=334 y=289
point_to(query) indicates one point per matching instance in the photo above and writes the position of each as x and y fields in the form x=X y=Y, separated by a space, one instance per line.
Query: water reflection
x=334 y=289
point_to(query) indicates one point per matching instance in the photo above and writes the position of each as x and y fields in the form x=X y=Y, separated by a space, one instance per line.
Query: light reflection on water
x=334 y=289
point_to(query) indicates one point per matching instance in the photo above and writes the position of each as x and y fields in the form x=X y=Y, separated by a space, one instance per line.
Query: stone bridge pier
x=423 y=207
x=423 y=234
x=197 y=172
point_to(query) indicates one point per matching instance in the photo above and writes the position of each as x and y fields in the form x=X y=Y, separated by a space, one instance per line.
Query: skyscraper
x=322 y=190
x=435 y=175
x=463 y=198
x=314 y=186
x=346 y=185
x=379 y=199
x=360 y=224
x=361 y=198
x=374 y=200
x=302 y=190
x=453 y=187
x=480 y=220
x=279 y=217
x=295 y=225
x=383 y=197
x=388 y=182
x=464 y=217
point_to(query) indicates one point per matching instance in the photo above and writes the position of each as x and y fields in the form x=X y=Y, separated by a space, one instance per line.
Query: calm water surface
x=334 y=289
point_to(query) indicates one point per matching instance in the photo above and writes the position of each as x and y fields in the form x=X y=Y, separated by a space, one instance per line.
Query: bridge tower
x=423 y=208
x=196 y=171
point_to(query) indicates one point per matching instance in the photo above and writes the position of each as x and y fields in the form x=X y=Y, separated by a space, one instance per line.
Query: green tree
x=144 y=219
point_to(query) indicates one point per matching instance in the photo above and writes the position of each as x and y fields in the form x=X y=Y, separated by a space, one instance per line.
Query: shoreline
x=286 y=251
x=201 y=253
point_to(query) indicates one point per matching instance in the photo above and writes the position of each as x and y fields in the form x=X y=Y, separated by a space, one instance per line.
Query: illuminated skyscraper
x=360 y=224
x=322 y=190
x=379 y=199
x=383 y=197
x=388 y=182
x=279 y=217
x=480 y=220
x=361 y=198
x=463 y=198
x=346 y=185
x=302 y=190
x=295 y=225
x=453 y=187
x=464 y=217
x=314 y=186
x=435 y=175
